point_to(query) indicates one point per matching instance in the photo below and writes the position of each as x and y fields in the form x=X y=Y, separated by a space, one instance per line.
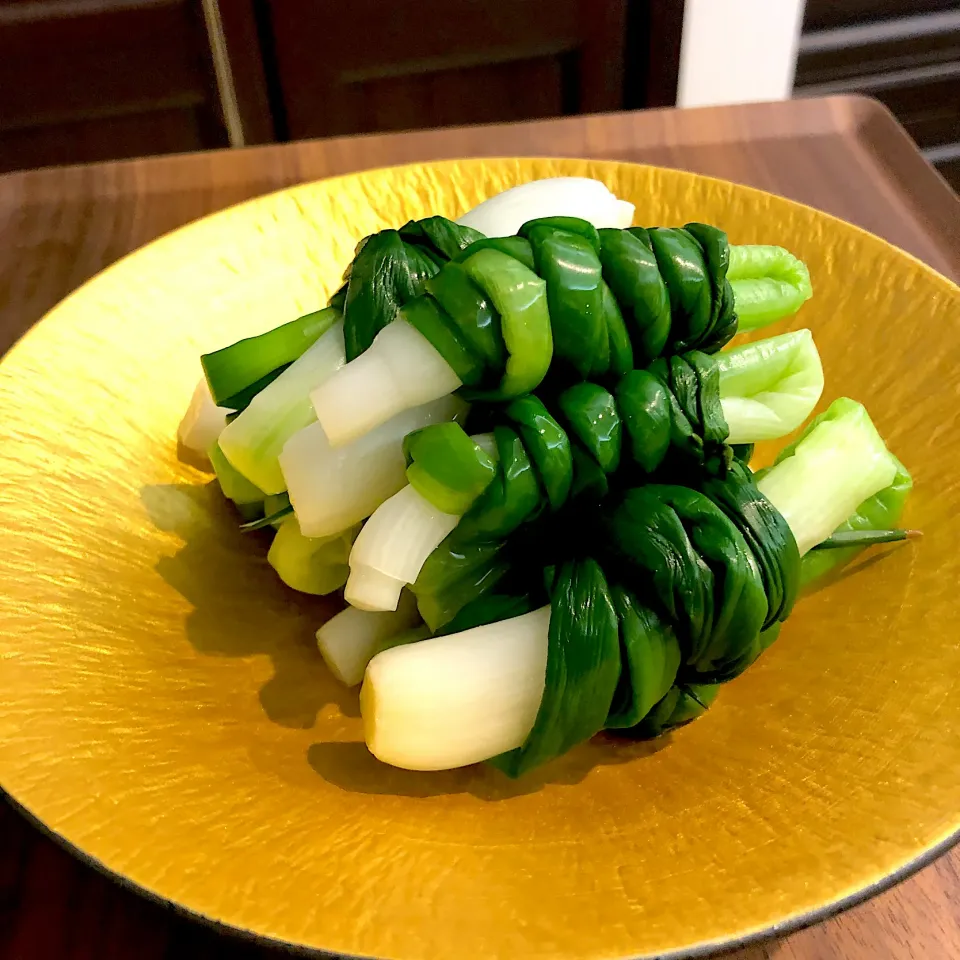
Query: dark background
x=84 y=80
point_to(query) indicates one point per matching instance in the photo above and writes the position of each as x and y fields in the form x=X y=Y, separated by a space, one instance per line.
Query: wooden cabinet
x=370 y=65
x=822 y=14
x=94 y=79
x=86 y=80
x=906 y=53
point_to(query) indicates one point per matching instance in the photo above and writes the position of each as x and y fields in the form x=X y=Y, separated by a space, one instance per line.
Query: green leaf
x=644 y=404
x=445 y=238
x=429 y=318
x=583 y=665
x=385 y=275
x=739 y=599
x=593 y=418
x=647 y=534
x=723 y=319
x=865 y=538
x=236 y=374
x=650 y=659
x=767 y=534
x=446 y=467
x=547 y=444
x=684 y=272
x=458 y=572
x=471 y=312
x=633 y=275
x=520 y=297
x=515 y=247
x=769 y=283
x=490 y=608
x=618 y=338
x=513 y=496
x=679 y=706
x=267 y=521
x=569 y=264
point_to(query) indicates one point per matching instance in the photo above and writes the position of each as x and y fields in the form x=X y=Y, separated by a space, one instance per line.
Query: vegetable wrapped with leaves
x=597 y=554
x=560 y=298
x=665 y=422
x=678 y=589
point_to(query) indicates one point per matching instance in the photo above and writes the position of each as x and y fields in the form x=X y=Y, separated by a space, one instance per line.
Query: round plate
x=164 y=710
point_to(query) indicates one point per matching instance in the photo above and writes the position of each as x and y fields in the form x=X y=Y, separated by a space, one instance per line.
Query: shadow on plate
x=864 y=562
x=240 y=607
x=350 y=766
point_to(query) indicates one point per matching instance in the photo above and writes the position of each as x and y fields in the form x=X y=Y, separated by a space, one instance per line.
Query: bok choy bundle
x=521 y=444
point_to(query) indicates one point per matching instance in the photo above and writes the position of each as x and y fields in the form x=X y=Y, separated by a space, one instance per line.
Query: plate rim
x=699 y=951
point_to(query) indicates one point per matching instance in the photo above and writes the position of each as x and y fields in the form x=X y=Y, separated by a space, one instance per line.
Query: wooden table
x=59 y=227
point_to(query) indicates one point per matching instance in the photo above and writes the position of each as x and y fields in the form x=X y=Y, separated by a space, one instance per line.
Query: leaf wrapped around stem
x=560 y=302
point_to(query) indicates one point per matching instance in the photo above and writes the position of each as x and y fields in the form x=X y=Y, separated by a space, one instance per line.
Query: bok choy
x=521 y=444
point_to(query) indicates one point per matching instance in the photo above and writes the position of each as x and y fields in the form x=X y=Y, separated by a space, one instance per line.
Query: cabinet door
x=98 y=79
x=374 y=65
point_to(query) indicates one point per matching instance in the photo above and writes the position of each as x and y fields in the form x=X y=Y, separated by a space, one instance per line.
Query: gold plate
x=164 y=710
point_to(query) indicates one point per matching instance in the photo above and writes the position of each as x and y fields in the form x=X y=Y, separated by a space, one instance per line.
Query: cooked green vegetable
x=649 y=661
x=276 y=509
x=390 y=269
x=236 y=374
x=315 y=565
x=446 y=467
x=562 y=299
x=583 y=666
x=701 y=572
x=236 y=487
x=842 y=458
x=520 y=297
x=768 y=283
x=674 y=407
x=600 y=556
x=769 y=387
x=877 y=510
x=254 y=440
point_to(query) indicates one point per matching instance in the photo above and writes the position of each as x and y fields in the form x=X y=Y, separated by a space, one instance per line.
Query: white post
x=738 y=51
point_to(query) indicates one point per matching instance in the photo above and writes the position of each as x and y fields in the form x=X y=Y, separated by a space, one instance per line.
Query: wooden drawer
x=911 y=64
x=823 y=14
x=833 y=55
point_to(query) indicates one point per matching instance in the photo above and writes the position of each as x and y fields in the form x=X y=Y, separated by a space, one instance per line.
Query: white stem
x=768 y=388
x=392 y=547
x=396 y=542
x=450 y=701
x=348 y=641
x=253 y=442
x=840 y=463
x=332 y=488
x=202 y=424
x=401 y=369
x=503 y=215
